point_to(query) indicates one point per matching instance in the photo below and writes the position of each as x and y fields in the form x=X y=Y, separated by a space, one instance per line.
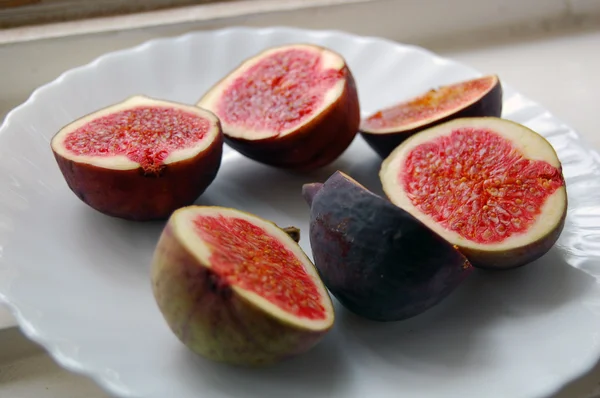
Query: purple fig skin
x=211 y=319
x=379 y=261
x=310 y=190
x=313 y=144
x=489 y=104
x=137 y=195
x=316 y=143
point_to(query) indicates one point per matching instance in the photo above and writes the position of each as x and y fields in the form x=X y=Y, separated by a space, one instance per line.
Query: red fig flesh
x=140 y=159
x=293 y=106
x=236 y=288
x=387 y=128
x=490 y=186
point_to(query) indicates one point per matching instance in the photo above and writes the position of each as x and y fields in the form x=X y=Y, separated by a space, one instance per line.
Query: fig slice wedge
x=385 y=129
x=378 y=260
x=293 y=106
x=490 y=186
x=236 y=288
x=140 y=159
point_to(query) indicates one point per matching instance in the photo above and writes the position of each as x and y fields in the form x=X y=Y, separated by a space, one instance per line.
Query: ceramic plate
x=78 y=281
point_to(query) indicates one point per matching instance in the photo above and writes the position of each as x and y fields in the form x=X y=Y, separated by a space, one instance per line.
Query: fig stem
x=293 y=232
x=310 y=190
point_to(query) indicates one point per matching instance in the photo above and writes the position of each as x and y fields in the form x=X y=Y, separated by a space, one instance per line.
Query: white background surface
x=557 y=69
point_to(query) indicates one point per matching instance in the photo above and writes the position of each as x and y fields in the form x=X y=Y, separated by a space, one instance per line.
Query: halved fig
x=293 y=106
x=490 y=186
x=378 y=260
x=236 y=288
x=387 y=128
x=140 y=159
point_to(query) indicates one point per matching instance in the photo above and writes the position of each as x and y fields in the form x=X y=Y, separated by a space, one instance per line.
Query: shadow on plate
x=457 y=334
x=264 y=190
x=453 y=334
x=242 y=184
x=321 y=372
x=113 y=243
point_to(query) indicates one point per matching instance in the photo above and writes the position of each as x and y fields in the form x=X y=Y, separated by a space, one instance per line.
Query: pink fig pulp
x=492 y=187
x=140 y=159
x=294 y=107
x=235 y=288
x=387 y=128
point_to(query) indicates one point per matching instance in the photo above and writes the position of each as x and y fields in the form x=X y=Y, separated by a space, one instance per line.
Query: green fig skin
x=209 y=317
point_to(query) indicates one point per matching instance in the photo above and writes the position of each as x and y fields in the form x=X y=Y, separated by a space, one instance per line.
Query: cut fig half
x=385 y=129
x=293 y=106
x=236 y=288
x=492 y=187
x=379 y=261
x=140 y=159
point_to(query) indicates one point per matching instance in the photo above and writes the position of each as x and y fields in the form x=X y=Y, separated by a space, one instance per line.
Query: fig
x=490 y=186
x=293 y=107
x=385 y=129
x=140 y=159
x=237 y=289
x=380 y=262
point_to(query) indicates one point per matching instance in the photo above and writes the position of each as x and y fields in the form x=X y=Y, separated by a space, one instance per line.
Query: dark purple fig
x=379 y=261
x=492 y=187
x=387 y=128
x=293 y=106
x=140 y=159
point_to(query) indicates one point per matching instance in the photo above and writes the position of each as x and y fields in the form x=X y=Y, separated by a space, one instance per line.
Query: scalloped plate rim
x=53 y=348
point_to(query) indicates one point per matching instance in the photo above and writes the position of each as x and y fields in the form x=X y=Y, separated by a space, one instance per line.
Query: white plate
x=77 y=281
